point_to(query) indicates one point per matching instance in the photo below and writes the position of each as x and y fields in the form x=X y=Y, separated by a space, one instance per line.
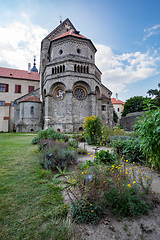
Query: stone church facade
x=70 y=85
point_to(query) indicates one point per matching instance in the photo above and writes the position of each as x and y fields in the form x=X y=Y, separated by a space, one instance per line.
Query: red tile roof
x=114 y=101
x=20 y=74
x=71 y=32
x=31 y=99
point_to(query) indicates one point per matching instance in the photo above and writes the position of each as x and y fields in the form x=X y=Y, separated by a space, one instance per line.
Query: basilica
x=70 y=86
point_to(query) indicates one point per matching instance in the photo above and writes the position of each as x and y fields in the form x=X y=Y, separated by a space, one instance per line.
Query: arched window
x=63 y=68
x=60 y=69
x=32 y=110
x=52 y=70
x=75 y=68
x=87 y=69
x=78 y=68
x=81 y=69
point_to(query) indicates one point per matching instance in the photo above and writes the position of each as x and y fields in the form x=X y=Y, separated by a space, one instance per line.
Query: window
x=17 y=88
x=12 y=104
x=30 y=88
x=4 y=87
x=2 y=103
x=79 y=93
x=78 y=50
x=103 y=107
x=118 y=109
x=31 y=110
x=60 y=51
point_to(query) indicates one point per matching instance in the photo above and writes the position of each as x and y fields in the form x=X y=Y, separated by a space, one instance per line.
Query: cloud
x=120 y=70
x=19 y=42
x=151 y=31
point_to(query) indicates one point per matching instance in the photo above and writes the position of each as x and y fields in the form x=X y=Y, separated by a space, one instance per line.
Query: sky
x=126 y=34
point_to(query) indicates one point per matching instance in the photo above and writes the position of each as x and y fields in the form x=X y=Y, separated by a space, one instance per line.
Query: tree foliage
x=115 y=117
x=134 y=104
x=156 y=94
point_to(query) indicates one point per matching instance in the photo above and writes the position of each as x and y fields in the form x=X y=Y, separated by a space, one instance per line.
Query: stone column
x=47 y=111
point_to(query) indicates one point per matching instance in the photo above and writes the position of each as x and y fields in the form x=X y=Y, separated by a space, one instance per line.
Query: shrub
x=49 y=133
x=81 y=151
x=84 y=211
x=104 y=157
x=148 y=128
x=126 y=203
x=93 y=127
x=73 y=143
x=57 y=154
x=119 y=187
x=130 y=148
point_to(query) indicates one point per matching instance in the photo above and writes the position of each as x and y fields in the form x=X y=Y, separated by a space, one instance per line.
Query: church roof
x=65 y=22
x=19 y=74
x=71 y=32
x=114 y=101
x=31 y=99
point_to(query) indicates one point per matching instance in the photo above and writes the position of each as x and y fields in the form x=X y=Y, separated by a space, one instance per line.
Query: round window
x=79 y=93
x=78 y=50
x=60 y=94
x=60 y=51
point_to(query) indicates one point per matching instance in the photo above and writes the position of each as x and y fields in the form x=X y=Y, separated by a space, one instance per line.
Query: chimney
x=29 y=68
x=116 y=96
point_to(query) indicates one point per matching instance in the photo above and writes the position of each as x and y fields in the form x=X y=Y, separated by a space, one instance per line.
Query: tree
x=156 y=94
x=115 y=117
x=134 y=104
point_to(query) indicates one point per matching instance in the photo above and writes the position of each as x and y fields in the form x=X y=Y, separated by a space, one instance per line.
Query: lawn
x=31 y=204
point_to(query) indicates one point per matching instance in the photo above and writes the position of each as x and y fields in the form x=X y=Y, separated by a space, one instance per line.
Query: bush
x=84 y=211
x=118 y=187
x=73 y=143
x=148 y=128
x=126 y=203
x=104 y=157
x=129 y=148
x=49 y=133
x=57 y=154
x=93 y=128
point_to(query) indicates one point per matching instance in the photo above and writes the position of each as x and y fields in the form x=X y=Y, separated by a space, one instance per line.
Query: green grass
x=31 y=205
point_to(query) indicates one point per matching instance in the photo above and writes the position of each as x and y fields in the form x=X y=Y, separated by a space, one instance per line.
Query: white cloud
x=120 y=70
x=19 y=42
x=151 y=31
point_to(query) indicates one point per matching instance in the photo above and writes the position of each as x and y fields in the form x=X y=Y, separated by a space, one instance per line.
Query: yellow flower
x=82 y=172
x=88 y=153
x=118 y=179
x=134 y=181
x=64 y=207
x=129 y=185
x=90 y=204
x=91 y=210
x=91 y=155
x=73 y=189
x=104 y=181
x=131 y=168
x=126 y=160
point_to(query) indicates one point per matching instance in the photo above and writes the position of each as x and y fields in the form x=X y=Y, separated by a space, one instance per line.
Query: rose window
x=79 y=93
